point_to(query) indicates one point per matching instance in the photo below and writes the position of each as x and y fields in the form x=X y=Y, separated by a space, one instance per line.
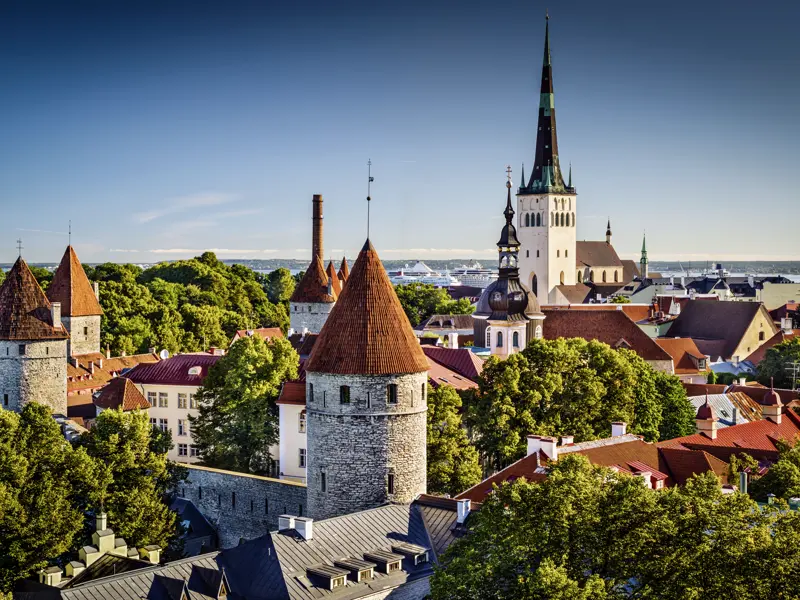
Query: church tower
x=366 y=400
x=643 y=262
x=80 y=306
x=546 y=206
x=508 y=313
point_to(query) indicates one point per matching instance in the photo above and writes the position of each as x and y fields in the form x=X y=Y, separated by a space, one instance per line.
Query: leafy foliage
x=775 y=362
x=182 y=306
x=620 y=300
x=783 y=477
x=453 y=464
x=420 y=301
x=238 y=417
x=587 y=532
x=572 y=387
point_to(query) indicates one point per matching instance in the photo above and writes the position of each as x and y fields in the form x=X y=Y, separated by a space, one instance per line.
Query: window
x=323 y=482
x=301 y=422
x=22 y=349
x=300 y=514
x=488 y=338
x=561 y=277
x=562 y=220
x=499 y=339
x=527 y=220
x=395 y=566
x=538 y=332
x=573 y=219
x=391 y=393
x=310 y=392
x=616 y=276
x=527 y=253
x=200 y=492
x=344 y=394
x=515 y=339
x=538 y=219
x=302 y=459
x=233 y=499
x=192 y=401
x=266 y=506
x=566 y=253
x=369 y=401
x=390 y=482
x=324 y=398
x=85 y=331
x=761 y=336
x=182 y=401
x=5 y=399
x=591 y=275
x=537 y=254
x=604 y=276
x=558 y=253
x=163 y=400
x=551 y=219
x=163 y=424
x=192 y=450
x=183 y=427
x=47 y=350
x=183 y=449
x=151 y=398
x=153 y=421
x=424 y=389
x=701 y=364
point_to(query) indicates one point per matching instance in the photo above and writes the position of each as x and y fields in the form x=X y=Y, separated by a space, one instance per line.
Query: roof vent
x=328 y=576
x=387 y=562
x=360 y=570
x=305 y=527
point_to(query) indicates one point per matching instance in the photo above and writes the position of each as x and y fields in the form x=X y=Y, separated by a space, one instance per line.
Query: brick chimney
x=55 y=313
x=305 y=527
x=96 y=288
x=317 y=248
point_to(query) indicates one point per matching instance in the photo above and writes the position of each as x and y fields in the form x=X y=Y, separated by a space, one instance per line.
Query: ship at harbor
x=473 y=275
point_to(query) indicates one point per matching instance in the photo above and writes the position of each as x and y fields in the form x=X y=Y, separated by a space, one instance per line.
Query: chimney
x=645 y=475
x=74 y=567
x=108 y=351
x=305 y=527
x=91 y=367
x=618 y=428
x=786 y=325
x=55 y=313
x=152 y=554
x=734 y=415
x=462 y=510
x=550 y=447
x=742 y=380
x=735 y=361
x=567 y=440
x=743 y=482
x=290 y=332
x=88 y=555
x=452 y=340
x=96 y=288
x=50 y=576
x=317 y=249
x=100 y=363
x=534 y=444
x=285 y=522
x=74 y=362
x=151 y=350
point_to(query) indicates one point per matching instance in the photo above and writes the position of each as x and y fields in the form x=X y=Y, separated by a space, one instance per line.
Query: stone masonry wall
x=39 y=375
x=80 y=342
x=252 y=512
x=310 y=315
x=357 y=445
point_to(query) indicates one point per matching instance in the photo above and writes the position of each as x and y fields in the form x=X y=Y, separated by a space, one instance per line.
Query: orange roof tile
x=682 y=351
x=82 y=376
x=265 y=333
x=333 y=277
x=313 y=287
x=24 y=308
x=367 y=332
x=71 y=287
x=121 y=392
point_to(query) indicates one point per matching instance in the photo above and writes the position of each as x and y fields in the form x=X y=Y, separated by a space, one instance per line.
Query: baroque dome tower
x=509 y=308
x=366 y=400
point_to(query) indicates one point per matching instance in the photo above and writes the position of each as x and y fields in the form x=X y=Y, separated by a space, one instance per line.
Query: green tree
x=238 y=417
x=677 y=413
x=280 y=285
x=453 y=464
x=620 y=300
x=570 y=387
x=422 y=300
x=588 y=532
x=712 y=377
x=45 y=485
x=775 y=363
x=137 y=498
x=783 y=477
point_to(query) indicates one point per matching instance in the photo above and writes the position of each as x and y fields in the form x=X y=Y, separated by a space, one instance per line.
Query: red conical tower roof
x=24 y=309
x=367 y=332
x=333 y=277
x=71 y=287
x=313 y=287
x=344 y=270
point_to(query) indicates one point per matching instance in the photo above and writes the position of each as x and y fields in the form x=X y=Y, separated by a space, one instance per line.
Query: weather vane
x=19 y=247
x=508 y=171
x=69 y=232
x=370 y=179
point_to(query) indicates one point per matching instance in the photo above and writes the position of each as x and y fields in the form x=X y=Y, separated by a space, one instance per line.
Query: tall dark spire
x=546 y=174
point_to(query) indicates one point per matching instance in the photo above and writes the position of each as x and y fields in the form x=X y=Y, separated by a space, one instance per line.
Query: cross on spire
x=19 y=247
x=508 y=174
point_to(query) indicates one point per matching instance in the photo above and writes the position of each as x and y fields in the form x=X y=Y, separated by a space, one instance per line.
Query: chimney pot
x=50 y=576
x=151 y=554
x=55 y=313
x=305 y=527
x=285 y=522
x=463 y=509
x=452 y=340
x=100 y=363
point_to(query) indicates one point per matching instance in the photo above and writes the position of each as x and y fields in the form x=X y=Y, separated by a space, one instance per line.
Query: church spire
x=643 y=260
x=545 y=164
x=608 y=232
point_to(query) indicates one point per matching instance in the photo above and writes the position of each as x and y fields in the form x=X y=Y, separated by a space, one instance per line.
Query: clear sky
x=165 y=128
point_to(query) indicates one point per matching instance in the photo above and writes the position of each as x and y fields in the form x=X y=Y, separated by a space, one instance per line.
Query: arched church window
x=563 y=220
x=515 y=339
x=551 y=219
x=558 y=253
x=573 y=219
x=537 y=254
x=616 y=276
x=555 y=203
x=538 y=219
x=604 y=276
x=535 y=285
x=538 y=332
x=527 y=220
x=488 y=337
x=566 y=253
x=499 y=339
x=569 y=204
x=562 y=277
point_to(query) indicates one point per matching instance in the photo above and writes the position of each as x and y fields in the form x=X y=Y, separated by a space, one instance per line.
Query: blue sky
x=166 y=128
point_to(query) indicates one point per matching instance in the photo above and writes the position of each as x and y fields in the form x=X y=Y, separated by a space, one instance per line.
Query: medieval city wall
x=309 y=315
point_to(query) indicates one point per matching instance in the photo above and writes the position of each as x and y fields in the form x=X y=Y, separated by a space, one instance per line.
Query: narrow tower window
x=323 y=481
x=515 y=339
x=233 y=499
x=301 y=424
x=391 y=393
x=604 y=276
x=558 y=253
x=616 y=276
x=310 y=392
x=538 y=219
x=344 y=394
x=390 y=482
x=527 y=220
x=499 y=339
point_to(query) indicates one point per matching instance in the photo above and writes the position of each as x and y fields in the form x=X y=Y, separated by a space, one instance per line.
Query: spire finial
x=569 y=185
x=546 y=14
x=19 y=247
x=370 y=179
x=508 y=175
x=70 y=232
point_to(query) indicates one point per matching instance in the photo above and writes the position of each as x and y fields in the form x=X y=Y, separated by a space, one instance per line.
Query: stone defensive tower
x=33 y=344
x=366 y=400
x=80 y=307
x=315 y=295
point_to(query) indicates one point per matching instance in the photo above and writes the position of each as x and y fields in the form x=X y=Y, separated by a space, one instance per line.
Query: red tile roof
x=24 y=308
x=265 y=333
x=612 y=327
x=175 y=370
x=71 y=287
x=460 y=360
x=636 y=312
x=367 y=332
x=121 y=392
x=784 y=311
x=439 y=375
x=344 y=270
x=682 y=351
x=333 y=277
x=303 y=344
x=82 y=376
x=313 y=287
x=575 y=294
x=758 y=392
x=293 y=392
x=761 y=352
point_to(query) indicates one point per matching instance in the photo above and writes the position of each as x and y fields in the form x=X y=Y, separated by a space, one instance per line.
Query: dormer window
x=195 y=370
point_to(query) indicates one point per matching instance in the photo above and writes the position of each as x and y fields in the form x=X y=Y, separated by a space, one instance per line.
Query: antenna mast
x=370 y=179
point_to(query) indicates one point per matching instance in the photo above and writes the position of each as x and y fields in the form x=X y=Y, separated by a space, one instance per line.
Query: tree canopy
x=182 y=306
x=453 y=464
x=238 y=417
x=776 y=362
x=572 y=387
x=590 y=533
x=420 y=301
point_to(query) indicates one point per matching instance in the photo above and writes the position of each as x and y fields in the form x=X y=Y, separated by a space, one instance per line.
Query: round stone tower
x=33 y=344
x=366 y=400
